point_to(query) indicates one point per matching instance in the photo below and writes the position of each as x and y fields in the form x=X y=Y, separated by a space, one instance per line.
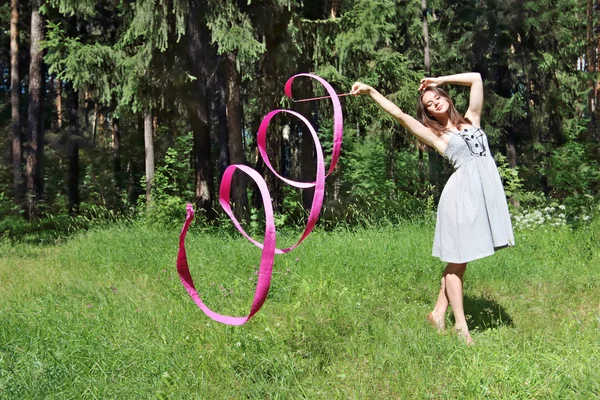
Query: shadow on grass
x=52 y=229
x=484 y=313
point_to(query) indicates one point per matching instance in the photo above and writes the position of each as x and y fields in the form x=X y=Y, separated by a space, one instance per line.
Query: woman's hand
x=430 y=81
x=360 y=88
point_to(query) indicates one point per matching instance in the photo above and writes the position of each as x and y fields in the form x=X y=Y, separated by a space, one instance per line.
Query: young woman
x=472 y=218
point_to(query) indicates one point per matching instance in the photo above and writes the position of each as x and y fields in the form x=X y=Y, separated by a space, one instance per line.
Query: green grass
x=104 y=315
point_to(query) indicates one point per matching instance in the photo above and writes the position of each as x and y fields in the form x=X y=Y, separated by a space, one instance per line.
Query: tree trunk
x=511 y=156
x=73 y=176
x=334 y=10
x=221 y=111
x=116 y=140
x=591 y=67
x=425 y=37
x=149 y=154
x=204 y=187
x=308 y=165
x=421 y=163
x=434 y=159
x=14 y=102
x=59 y=103
x=272 y=85
x=34 y=132
x=234 y=128
x=81 y=113
x=274 y=184
x=308 y=159
x=200 y=56
x=95 y=123
x=73 y=127
x=427 y=62
x=256 y=200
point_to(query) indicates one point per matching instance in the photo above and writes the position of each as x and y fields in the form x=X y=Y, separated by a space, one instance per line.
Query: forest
x=130 y=109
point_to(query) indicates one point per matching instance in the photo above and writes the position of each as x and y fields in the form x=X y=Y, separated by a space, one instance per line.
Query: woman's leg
x=436 y=317
x=453 y=277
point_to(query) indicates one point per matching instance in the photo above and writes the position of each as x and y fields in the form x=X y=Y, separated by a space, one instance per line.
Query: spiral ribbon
x=268 y=246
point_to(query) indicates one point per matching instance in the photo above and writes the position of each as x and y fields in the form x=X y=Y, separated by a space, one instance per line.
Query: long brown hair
x=429 y=121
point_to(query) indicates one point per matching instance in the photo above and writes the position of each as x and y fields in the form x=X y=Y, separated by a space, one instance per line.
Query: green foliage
x=151 y=25
x=85 y=8
x=572 y=170
x=371 y=194
x=232 y=31
x=173 y=185
x=366 y=166
x=88 y=67
x=513 y=184
x=363 y=30
x=7 y=206
x=507 y=111
x=5 y=16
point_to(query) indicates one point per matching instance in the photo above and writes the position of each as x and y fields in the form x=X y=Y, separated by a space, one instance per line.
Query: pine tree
x=35 y=127
x=15 y=86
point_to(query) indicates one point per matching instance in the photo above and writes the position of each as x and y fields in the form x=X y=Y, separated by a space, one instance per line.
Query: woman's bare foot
x=437 y=321
x=464 y=334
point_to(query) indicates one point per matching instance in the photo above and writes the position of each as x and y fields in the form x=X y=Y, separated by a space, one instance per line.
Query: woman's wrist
x=441 y=80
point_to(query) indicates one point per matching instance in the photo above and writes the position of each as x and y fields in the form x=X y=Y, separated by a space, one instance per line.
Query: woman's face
x=435 y=104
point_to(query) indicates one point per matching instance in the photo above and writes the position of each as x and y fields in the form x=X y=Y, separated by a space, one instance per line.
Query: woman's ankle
x=437 y=321
x=463 y=332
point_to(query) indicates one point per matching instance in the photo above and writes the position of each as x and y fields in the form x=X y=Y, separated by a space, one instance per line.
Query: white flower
x=586 y=218
x=561 y=207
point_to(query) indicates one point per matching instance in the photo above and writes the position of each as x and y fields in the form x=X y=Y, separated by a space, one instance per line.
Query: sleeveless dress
x=472 y=219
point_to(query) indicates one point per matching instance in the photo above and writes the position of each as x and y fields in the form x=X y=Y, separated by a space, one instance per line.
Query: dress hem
x=496 y=248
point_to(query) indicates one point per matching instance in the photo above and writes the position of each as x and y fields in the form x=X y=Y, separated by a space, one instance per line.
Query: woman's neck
x=446 y=123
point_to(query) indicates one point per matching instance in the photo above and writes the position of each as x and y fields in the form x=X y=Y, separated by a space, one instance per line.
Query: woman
x=472 y=219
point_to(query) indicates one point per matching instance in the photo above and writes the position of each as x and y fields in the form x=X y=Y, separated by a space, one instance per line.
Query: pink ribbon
x=268 y=246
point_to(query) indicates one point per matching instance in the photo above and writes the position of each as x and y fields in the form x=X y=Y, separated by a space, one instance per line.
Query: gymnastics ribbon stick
x=320 y=98
x=268 y=247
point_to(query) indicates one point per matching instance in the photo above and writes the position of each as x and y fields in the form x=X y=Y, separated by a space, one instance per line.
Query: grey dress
x=472 y=219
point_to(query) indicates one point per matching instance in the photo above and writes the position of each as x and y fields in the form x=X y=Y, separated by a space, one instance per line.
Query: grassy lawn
x=103 y=315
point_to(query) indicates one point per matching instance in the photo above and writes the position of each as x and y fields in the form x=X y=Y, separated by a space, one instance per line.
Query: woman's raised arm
x=419 y=130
